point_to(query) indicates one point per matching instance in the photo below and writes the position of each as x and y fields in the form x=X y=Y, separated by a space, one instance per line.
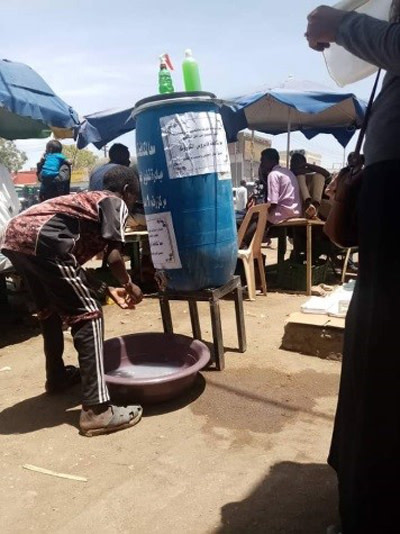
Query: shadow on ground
x=180 y=402
x=42 y=411
x=17 y=327
x=292 y=499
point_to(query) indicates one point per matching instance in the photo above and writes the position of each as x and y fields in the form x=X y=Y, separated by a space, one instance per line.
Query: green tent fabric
x=13 y=126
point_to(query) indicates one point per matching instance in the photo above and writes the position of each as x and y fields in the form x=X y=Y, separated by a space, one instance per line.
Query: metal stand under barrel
x=213 y=296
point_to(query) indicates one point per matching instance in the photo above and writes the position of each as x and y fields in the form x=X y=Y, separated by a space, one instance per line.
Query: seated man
x=312 y=181
x=282 y=188
x=278 y=187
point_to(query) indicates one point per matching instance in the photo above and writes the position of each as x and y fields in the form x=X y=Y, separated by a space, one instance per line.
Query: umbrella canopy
x=102 y=127
x=29 y=108
x=295 y=106
x=304 y=106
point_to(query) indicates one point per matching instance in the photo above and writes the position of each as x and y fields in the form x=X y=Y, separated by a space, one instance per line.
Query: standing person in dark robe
x=365 y=449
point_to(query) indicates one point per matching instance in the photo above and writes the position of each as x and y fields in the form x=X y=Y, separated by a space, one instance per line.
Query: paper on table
x=339 y=308
x=194 y=144
x=343 y=67
x=336 y=304
x=162 y=240
x=317 y=305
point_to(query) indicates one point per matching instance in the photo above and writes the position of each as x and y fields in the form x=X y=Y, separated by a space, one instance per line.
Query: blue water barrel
x=186 y=185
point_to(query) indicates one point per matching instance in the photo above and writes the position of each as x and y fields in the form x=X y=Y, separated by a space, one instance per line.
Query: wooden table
x=308 y=224
x=132 y=233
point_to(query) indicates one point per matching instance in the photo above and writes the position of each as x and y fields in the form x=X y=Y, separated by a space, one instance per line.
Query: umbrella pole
x=252 y=156
x=288 y=140
x=236 y=173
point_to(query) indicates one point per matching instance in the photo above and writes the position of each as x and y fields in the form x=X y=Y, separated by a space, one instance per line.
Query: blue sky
x=98 y=54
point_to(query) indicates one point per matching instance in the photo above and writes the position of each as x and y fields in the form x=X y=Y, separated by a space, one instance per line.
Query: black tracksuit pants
x=62 y=293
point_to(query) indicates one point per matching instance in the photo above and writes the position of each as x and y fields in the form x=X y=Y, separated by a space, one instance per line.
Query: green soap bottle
x=165 y=84
x=191 y=75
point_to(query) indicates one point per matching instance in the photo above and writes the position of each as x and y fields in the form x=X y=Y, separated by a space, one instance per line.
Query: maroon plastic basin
x=152 y=367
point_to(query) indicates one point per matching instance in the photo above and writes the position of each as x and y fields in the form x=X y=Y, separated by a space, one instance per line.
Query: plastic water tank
x=185 y=178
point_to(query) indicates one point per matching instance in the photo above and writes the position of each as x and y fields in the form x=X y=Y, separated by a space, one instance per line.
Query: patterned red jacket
x=81 y=224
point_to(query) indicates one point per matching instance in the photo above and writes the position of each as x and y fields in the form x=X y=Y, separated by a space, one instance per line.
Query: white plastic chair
x=253 y=251
x=346 y=260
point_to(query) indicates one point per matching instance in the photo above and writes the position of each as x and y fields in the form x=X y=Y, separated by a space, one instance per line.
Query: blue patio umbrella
x=29 y=108
x=304 y=106
x=295 y=106
x=102 y=127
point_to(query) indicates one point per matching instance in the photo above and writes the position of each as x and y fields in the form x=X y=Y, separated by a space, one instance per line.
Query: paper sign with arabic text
x=195 y=144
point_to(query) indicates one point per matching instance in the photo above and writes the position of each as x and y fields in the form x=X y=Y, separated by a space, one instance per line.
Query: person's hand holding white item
x=343 y=66
x=323 y=24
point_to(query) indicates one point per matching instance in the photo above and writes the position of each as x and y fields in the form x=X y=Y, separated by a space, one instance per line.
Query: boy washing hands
x=48 y=244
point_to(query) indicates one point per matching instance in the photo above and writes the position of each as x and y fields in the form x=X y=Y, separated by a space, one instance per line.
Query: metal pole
x=236 y=170
x=288 y=139
x=252 y=156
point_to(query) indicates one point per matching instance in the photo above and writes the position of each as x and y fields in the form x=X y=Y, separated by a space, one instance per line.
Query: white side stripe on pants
x=98 y=340
x=90 y=305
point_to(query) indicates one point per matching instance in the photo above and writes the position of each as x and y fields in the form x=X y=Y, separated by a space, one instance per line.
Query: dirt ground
x=244 y=451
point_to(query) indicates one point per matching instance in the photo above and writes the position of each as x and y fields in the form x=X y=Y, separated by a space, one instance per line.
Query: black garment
x=365 y=448
x=61 y=289
x=382 y=50
x=58 y=186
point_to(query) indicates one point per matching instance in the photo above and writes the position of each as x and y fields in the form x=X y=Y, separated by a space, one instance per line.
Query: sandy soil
x=244 y=451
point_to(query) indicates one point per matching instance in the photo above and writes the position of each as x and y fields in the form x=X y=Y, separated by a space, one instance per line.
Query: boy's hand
x=134 y=292
x=121 y=297
x=323 y=24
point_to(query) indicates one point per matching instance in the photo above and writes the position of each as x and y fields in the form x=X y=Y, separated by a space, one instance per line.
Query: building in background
x=25 y=177
x=245 y=156
x=79 y=178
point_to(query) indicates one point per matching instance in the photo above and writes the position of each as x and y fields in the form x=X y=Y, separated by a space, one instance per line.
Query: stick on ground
x=53 y=473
